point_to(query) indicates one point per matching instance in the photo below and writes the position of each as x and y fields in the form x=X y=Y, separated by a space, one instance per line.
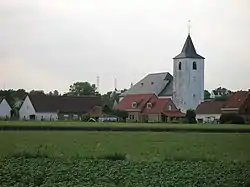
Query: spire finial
x=189 y=27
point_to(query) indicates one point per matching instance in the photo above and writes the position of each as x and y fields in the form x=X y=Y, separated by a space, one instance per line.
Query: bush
x=191 y=116
x=231 y=118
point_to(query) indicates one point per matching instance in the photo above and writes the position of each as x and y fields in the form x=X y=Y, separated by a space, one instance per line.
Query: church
x=185 y=87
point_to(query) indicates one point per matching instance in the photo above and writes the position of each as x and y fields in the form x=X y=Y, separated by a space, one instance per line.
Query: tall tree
x=82 y=88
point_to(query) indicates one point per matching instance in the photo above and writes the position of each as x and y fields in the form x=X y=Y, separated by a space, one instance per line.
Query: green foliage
x=114 y=157
x=86 y=172
x=121 y=114
x=82 y=89
x=191 y=116
x=231 y=118
x=206 y=94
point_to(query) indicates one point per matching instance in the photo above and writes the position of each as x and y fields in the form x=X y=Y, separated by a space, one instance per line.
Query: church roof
x=188 y=50
x=153 y=83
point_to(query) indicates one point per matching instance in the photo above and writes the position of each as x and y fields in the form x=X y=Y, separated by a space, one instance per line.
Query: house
x=5 y=109
x=185 y=87
x=239 y=103
x=45 y=107
x=209 y=111
x=149 y=108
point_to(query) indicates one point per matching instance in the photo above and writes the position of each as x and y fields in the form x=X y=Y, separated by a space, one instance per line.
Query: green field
x=137 y=145
x=82 y=158
x=159 y=125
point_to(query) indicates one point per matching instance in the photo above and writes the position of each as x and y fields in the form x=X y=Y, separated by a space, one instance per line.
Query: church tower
x=188 y=72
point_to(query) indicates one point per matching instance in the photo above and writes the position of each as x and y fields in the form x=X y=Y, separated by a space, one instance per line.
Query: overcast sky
x=49 y=44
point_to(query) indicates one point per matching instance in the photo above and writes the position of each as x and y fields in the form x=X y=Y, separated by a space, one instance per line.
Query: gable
x=140 y=100
x=4 y=105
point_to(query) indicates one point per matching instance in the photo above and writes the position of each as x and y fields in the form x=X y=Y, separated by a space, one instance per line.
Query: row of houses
x=52 y=108
x=140 y=107
x=211 y=110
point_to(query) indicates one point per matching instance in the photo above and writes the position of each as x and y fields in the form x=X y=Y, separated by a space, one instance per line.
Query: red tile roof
x=237 y=99
x=140 y=99
x=210 y=107
x=158 y=105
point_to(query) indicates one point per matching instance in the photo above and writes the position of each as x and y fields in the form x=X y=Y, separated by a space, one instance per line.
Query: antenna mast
x=98 y=83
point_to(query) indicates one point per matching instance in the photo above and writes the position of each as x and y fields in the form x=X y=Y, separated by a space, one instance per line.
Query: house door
x=32 y=117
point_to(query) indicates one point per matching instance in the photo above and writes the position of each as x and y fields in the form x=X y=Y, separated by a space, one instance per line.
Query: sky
x=50 y=44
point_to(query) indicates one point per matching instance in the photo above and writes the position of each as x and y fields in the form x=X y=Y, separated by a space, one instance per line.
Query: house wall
x=154 y=118
x=5 y=110
x=48 y=116
x=134 y=116
x=188 y=88
x=208 y=117
x=26 y=109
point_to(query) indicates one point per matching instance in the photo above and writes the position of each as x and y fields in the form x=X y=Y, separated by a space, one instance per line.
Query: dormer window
x=194 y=66
x=149 y=105
x=169 y=107
x=134 y=105
x=179 y=66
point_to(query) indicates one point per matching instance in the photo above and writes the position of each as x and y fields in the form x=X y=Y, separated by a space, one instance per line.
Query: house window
x=179 y=66
x=149 y=105
x=169 y=107
x=194 y=65
x=131 y=116
x=134 y=105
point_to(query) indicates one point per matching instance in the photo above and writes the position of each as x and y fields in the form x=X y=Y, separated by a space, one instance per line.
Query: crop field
x=139 y=127
x=82 y=158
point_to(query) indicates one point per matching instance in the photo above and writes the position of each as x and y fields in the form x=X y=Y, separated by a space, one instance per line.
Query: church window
x=179 y=66
x=194 y=65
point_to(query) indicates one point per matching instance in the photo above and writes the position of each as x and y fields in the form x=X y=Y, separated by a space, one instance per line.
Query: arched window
x=179 y=66
x=194 y=65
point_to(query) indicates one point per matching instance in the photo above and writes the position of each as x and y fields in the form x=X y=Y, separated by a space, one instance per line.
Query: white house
x=51 y=108
x=209 y=111
x=5 y=109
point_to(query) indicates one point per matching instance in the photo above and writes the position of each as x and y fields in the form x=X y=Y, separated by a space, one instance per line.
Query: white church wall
x=188 y=88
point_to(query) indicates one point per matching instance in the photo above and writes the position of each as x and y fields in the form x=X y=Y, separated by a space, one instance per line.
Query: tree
x=37 y=92
x=56 y=93
x=206 y=94
x=82 y=88
x=191 y=116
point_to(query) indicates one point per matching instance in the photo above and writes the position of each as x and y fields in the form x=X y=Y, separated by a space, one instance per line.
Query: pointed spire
x=188 y=50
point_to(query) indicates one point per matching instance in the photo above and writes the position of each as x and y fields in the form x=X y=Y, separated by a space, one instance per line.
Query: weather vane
x=189 y=27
